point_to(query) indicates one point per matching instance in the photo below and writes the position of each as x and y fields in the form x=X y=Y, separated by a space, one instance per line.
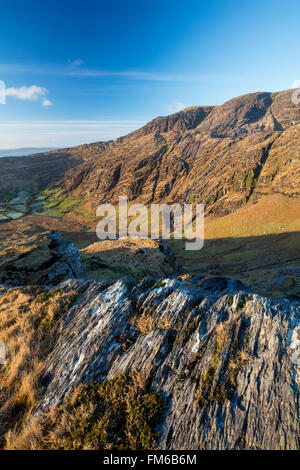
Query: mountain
x=34 y=172
x=221 y=156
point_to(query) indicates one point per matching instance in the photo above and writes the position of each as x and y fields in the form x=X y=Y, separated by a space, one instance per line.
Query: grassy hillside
x=258 y=244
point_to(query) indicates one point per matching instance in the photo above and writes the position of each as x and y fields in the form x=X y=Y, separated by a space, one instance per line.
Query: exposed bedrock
x=225 y=361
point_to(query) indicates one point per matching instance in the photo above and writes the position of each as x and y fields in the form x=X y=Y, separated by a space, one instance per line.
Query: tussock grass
x=28 y=319
x=147 y=322
x=144 y=323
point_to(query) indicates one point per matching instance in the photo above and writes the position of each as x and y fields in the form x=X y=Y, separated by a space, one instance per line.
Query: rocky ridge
x=43 y=259
x=225 y=361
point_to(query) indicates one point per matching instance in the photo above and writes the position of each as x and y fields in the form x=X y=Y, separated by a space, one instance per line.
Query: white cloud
x=175 y=107
x=30 y=93
x=46 y=102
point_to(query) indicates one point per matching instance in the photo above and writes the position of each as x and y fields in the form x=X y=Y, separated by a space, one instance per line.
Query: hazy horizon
x=20 y=152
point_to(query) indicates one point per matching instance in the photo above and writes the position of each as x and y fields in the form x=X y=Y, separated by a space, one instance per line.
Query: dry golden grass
x=251 y=244
x=165 y=322
x=27 y=325
x=144 y=323
x=30 y=437
x=221 y=333
x=239 y=361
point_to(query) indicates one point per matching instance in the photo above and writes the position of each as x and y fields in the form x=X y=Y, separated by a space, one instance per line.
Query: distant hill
x=23 y=151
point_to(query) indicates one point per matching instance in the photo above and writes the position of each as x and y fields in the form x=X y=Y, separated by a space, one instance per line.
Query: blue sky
x=81 y=71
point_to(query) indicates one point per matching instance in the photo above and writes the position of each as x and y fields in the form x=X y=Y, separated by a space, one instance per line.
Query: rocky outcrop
x=34 y=172
x=44 y=259
x=127 y=257
x=225 y=361
x=222 y=156
x=68 y=259
x=181 y=121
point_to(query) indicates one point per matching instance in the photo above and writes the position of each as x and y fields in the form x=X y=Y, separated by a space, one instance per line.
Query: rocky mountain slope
x=210 y=365
x=225 y=361
x=221 y=156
